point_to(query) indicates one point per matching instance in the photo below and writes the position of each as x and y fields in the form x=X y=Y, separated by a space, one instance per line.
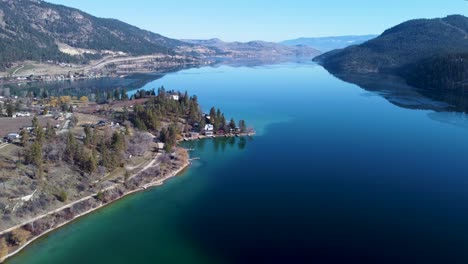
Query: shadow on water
x=396 y=91
x=220 y=144
x=83 y=87
x=86 y=87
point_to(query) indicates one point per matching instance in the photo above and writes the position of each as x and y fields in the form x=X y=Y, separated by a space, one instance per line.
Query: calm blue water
x=335 y=175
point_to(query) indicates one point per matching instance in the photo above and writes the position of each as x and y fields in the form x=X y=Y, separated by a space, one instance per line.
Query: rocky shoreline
x=44 y=224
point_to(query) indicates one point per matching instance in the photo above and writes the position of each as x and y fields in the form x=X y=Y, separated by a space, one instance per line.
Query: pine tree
x=212 y=115
x=117 y=95
x=50 y=131
x=106 y=157
x=232 y=124
x=88 y=136
x=35 y=153
x=125 y=114
x=70 y=148
x=24 y=137
x=118 y=142
x=40 y=135
x=35 y=122
x=91 y=163
x=10 y=109
x=242 y=126
x=222 y=122
x=123 y=95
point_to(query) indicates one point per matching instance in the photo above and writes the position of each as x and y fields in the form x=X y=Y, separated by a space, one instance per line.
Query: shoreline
x=155 y=183
x=144 y=187
x=201 y=137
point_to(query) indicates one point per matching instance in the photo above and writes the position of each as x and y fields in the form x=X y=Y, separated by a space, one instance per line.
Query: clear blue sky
x=271 y=20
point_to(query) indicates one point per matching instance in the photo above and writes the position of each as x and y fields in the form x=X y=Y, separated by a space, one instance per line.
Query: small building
x=13 y=136
x=175 y=97
x=209 y=127
x=209 y=133
x=23 y=114
x=160 y=146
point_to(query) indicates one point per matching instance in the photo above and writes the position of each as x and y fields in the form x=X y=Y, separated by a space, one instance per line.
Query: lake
x=335 y=174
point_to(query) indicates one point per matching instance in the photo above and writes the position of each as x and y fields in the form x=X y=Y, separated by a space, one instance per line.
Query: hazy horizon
x=278 y=21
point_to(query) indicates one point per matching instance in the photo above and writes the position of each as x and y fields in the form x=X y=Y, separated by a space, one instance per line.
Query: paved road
x=103 y=62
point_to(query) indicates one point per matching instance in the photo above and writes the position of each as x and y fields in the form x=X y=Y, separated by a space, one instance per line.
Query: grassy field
x=14 y=125
x=19 y=70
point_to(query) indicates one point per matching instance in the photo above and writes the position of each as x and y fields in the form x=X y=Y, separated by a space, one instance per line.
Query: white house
x=160 y=146
x=23 y=114
x=175 y=97
x=209 y=127
x=12 y=136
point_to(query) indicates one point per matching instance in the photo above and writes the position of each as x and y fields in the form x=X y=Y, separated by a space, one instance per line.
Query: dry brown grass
x=86 y=119
x=14 y=125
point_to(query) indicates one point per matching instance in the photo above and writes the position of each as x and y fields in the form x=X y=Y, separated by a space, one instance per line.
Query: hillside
x=325 y=44
x=39 y=31
x=410 y=49
x=255 y=49
x=448 y=72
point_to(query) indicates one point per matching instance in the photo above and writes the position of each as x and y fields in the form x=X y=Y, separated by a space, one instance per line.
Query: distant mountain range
x=255 y=49
x=33 y=30
x=325 y=44
x=427 y=53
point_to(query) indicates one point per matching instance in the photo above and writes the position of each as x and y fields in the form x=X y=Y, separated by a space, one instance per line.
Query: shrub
x=19 y=236
x=62 y=196
x=3 y=248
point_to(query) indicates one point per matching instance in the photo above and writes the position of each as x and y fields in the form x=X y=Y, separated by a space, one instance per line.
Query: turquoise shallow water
x=335 y=175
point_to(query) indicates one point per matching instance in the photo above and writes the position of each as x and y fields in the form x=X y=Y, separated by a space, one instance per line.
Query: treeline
x=106 y=96
x=217 y=119
x=165 y=106
x=447 y=72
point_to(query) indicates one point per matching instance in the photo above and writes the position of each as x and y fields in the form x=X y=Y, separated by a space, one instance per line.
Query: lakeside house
x=160 y=146
x=209 y=127
x=209 y=130
x=175 y=97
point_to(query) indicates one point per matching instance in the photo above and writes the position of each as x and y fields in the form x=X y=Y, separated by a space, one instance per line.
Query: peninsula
x=64 y=157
